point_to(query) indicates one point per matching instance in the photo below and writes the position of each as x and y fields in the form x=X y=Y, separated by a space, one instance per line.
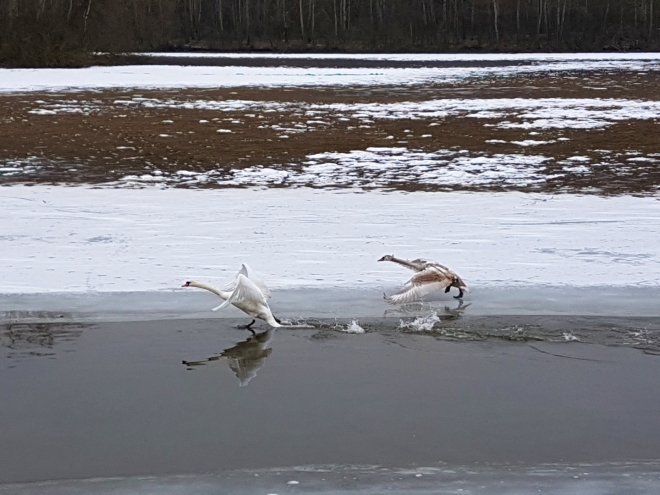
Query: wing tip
x=390 y=299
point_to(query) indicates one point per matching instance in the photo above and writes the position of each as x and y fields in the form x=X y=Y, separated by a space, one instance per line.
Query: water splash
x=352 y=327
x=421 y=323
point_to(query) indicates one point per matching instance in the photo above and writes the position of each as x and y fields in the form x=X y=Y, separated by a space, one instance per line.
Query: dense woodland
x=63 y=32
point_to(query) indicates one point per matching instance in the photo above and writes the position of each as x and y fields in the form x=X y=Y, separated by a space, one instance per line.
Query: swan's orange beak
x=187 y=284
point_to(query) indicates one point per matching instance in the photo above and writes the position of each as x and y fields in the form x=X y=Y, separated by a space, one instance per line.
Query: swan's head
x=189 y=283
x=387 y=257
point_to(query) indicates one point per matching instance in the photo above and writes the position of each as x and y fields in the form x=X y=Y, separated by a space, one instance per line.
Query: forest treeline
x=65 y=32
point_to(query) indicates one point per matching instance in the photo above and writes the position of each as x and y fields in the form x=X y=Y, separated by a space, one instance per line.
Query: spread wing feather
x=412 y=293
x=248 y=272
x=424 y=282
x=258 y=281
x=245 y=291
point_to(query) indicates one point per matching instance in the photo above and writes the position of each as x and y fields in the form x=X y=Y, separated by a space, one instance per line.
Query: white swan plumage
x=247 y=292
x=248 y=272
x=430 y=277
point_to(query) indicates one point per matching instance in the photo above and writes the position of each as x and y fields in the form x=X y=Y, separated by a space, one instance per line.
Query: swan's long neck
x=221 y=293
x=407 y=264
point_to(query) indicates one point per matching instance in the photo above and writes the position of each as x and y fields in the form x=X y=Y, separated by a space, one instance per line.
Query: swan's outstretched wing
x=248 y=272
x=423 y=262
x=244 y=291
x=425 y=282
x=258 y=281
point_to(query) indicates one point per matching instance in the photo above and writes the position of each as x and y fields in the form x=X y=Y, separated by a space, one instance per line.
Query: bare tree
x=221 y=20
x=86 y=16
x=495 y=20
x=302 y=20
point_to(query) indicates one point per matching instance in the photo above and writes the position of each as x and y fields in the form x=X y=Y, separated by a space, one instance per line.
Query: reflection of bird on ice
x=245 y=358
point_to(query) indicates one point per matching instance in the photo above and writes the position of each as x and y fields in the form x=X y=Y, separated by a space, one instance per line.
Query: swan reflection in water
x=423 y=308
x=245 y=358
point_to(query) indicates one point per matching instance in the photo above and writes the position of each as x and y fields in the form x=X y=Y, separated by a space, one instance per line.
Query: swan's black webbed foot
x=248 y=327
x=447 y=289
x=460 y=294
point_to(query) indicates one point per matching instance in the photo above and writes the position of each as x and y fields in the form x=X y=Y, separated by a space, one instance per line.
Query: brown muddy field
x=103 y=140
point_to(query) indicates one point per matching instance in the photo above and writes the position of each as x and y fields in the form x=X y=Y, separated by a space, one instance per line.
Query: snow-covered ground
x=380 y=168
x=513 y=113
x=158 y=76
x=81 y=239
x=391 y=166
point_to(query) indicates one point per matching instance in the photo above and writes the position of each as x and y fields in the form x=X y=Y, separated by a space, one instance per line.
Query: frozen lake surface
x=77 y=239
x=155 y=76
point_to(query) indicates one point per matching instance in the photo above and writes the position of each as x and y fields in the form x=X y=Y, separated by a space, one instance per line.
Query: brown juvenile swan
x=430 y=276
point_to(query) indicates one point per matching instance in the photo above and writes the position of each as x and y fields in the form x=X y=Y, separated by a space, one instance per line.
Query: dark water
x=116 y=399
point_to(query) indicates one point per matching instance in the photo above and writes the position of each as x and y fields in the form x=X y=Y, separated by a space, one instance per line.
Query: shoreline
x=614 y=316
x=340 y=302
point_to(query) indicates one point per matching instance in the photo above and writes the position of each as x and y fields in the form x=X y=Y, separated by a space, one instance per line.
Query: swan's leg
x=460 y=294
x=447 y=289
x=247 y=327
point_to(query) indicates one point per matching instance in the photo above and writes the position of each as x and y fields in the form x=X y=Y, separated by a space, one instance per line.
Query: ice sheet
x=112 y=240
x=640 y=478
x=158 y=76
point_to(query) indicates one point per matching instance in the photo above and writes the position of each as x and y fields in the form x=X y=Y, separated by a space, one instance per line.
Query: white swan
x=247 y=294
x=430 y=276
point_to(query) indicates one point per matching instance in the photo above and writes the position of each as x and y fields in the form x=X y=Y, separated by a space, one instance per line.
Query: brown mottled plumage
x=430 y=276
